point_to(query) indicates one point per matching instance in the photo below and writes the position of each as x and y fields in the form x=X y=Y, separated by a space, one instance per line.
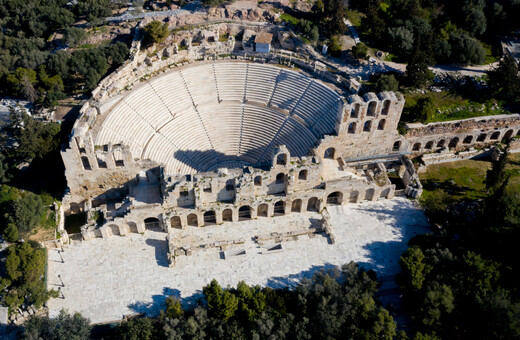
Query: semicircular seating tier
x=230 y=114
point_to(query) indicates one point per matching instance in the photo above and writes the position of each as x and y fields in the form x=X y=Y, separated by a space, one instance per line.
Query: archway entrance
x=210 y=217
x=244 y=213
x=227 y=215
x=312 y=205
x=262 y=210
x=193 y=220
x=329 y=153
x=335 y=198
x=296 y=205
x=152 y=223
x=279 y=208
x=176 y=222
x=507 y=136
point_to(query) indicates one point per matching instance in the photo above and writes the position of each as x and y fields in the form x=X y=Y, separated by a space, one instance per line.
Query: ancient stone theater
x=233 y=139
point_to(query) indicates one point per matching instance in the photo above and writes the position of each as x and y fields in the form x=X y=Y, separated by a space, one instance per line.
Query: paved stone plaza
x=105 y=279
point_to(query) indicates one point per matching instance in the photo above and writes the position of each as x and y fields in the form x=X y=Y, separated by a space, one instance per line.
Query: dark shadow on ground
x=161 y=250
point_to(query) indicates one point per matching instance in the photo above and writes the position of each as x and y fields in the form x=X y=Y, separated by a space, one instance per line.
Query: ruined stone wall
x=461 y=134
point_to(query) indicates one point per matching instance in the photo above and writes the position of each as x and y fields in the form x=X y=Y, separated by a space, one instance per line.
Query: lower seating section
x=208 y=115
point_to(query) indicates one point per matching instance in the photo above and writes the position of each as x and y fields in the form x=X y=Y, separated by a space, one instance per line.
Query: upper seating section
x=201 y=116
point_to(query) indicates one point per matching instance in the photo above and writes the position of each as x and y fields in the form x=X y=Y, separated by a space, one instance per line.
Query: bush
x=360 y=51
x=386 y=82
x=11 y=233
x=155 y=32
x=334 y=47
x=26 y=212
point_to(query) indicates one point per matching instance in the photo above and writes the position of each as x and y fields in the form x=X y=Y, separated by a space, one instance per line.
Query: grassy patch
x=491 y=55
x=223 y=37
x=289 y=18
x=466 y=179
x=451 y=106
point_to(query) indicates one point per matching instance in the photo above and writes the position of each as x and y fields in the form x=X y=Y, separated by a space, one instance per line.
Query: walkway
x=106 y=279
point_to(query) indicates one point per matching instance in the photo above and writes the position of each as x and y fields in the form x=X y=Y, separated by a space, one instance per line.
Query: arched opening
x=495 y=135
x=244 y=213
x=302 y=176
x=396 y=146
x=176 y=222
x=372 y=108
x=353 y=196
x=279 y=208
x=441 y=143
x=385 y=193
x=381 y=125
x=416 y=147
x=481 y=137
x=429 y=145
x=335 y=198
x=296 y=205
x=280 y=178
x=453 y=143
x=262 y=210
x=151 y=223
x=329 y=153
x=352 y=128
x=258 y=180
x=193 y=220
x=355 y=111
x=114 y=229
x=369 y=194
x=227 y=215
x=281 y=159
x=210 y=217
x=132 y=227
x=230 y=185
x=312 y=204
x=86 y=163
x=468 y=139
x=367 y=126
x=507 y=136
x=386 y=107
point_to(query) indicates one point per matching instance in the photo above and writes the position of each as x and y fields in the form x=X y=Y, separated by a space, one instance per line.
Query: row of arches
x=466 y=140
x=278 y=208
x=371 y=109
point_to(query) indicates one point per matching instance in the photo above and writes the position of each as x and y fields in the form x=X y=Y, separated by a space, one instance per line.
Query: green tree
x=504 y=80
x=4 y=176
x=22 y=82
x=334 y=46
x=414 y=269
x=136 y=329
x=11 y=232
x=497 y=174
x=173 y=308
x=221 y=304
x=26 y=212
x=360 y=50
x=155 y=32
x=73 y=36
x=386 y=82
x=63 y=327
x=93 y=10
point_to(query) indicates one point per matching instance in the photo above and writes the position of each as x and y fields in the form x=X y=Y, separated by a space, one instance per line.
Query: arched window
x=381 y=125
x=468 y=139
x=244 y=213
x=227 y=215
x=263 y=210
x=86 y=163
x=441 y=143
x=481 y=137
x=258 y=180
x=280 y=178
x=296 y=205
x=303 y=175
x=279 y=208
x=230 y=185
x=210 y=217
x=386 y=107
x=453 y=143
x=372 y=108
x=495 y=135
x=176 y=222
x=416 y=147
x=352 y=128
x=507 y=136
x=355 y=111
x=429 y=145
x=329 y=153
x=312 y=204
x=335 y=198
x=367 y=126
x=396 y=146
x=281 y=159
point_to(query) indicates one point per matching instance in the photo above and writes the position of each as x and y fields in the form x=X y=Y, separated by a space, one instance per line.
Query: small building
x=263 y=42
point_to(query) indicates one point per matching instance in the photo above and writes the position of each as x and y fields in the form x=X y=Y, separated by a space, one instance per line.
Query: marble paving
x=106 y=279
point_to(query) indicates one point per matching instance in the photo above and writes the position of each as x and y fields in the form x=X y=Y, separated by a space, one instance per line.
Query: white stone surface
x=106 y=279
